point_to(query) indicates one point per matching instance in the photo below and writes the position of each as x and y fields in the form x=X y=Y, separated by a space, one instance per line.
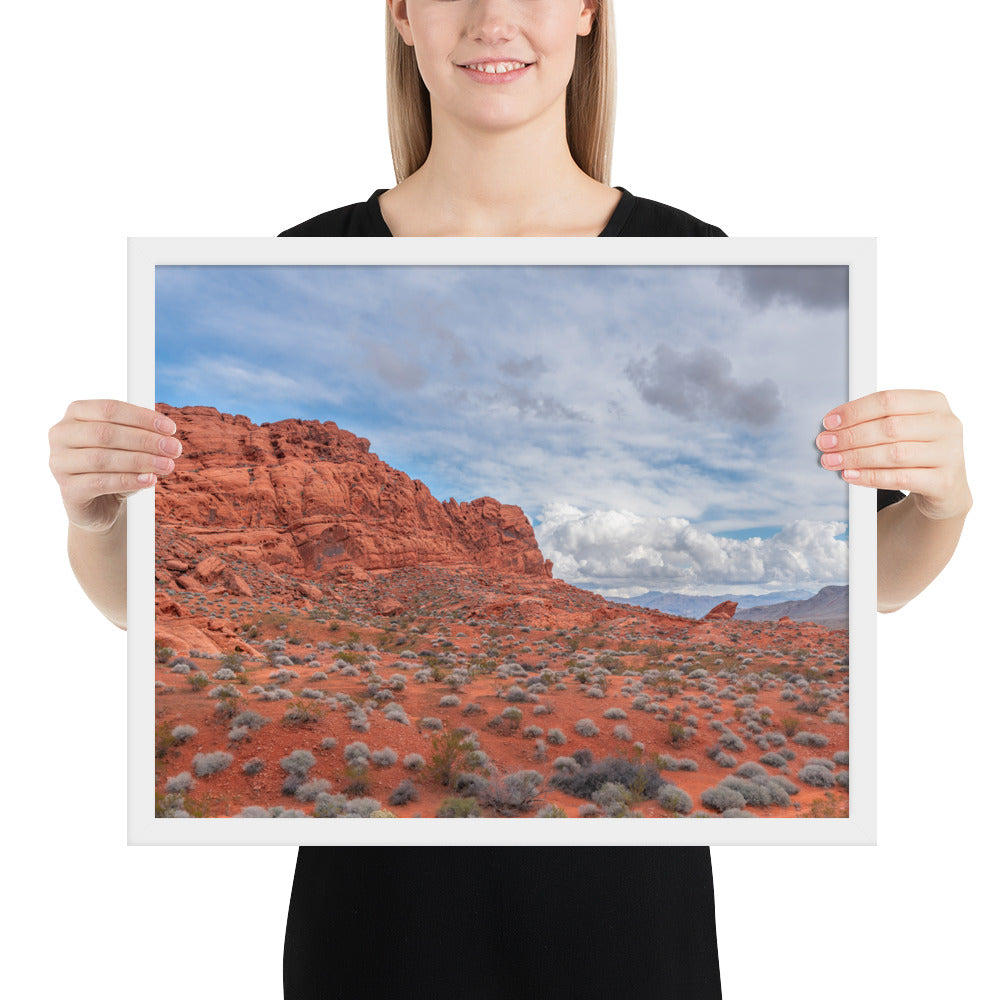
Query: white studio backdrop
x=233 y=119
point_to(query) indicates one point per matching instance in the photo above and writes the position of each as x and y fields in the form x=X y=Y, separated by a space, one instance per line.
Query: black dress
x=504 y=923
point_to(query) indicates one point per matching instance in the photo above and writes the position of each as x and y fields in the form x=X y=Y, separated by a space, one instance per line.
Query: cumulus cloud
x=614 y=548
x=818 y=287
x=700 y=385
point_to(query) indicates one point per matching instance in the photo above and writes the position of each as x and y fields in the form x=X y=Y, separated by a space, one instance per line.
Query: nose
x=491 y=21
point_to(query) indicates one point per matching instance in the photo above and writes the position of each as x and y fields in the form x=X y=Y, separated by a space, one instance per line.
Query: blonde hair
x=590 y=100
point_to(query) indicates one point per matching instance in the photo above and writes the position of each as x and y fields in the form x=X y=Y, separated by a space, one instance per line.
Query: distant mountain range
x=827 y=607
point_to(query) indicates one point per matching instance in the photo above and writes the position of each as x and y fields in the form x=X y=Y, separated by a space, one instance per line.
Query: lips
x=495 y=70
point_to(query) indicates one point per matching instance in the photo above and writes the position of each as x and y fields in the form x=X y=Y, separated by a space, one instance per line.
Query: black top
x=632 y=217
x=502 y=923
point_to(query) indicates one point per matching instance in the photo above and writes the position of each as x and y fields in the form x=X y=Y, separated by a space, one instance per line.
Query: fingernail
x=146 y=478
x=170 y=446
x=165 y=426
x=851 y=474
x=832 y=461
x=832 y=421
x=828 y=440
x=163 y=464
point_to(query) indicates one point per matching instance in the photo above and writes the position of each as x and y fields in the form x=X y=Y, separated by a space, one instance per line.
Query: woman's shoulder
x=646 y=217
x=363 y=218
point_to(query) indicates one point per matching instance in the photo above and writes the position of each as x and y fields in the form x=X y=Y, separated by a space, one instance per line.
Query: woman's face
x=494 y=64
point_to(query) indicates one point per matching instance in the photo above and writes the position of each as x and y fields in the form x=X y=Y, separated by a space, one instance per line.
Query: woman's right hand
x=104 y=450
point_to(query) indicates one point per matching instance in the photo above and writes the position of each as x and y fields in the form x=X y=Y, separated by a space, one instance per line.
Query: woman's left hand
x=900 y=439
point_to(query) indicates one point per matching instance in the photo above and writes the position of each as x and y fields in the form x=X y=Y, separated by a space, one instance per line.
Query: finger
x=886 y=430
x=898 y=455
x=116 y=411
x=923 y=481
x=80 y=461
x=883 y=404
x=89 y=434
x=83 y=489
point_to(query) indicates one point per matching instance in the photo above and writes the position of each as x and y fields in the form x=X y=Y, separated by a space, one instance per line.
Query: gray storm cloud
x=820 y=287
x=699 y=385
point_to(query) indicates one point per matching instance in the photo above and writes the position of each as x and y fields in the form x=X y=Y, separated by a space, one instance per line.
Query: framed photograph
x=530 y=532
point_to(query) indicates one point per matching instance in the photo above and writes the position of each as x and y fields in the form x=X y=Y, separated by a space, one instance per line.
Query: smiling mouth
x=496 y=68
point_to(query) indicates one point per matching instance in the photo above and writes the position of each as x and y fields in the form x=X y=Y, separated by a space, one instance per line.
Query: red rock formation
x=721 y=612
x=310 y=499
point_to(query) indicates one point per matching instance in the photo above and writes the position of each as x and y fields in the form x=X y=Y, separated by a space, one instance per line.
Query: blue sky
x=656 y=423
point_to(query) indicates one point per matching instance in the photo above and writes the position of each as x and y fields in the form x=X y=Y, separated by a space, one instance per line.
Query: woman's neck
x=517 y=182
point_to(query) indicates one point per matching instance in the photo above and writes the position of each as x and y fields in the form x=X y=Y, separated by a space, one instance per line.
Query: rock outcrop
x=310 y=499
x=721 y=612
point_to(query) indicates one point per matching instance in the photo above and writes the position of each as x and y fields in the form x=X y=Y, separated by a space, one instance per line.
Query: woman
x=500 y=121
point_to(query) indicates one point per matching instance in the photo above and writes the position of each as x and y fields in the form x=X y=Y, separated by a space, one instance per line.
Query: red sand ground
x=636 y=640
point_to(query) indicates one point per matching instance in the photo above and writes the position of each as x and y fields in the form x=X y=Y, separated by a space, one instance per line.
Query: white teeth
x=496 y=67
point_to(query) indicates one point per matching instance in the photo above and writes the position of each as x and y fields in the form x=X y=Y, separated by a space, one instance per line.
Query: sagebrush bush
x=586 y=727
x=298 y=762
x=182 y=733
x=459 y=808
x=807 y=739
x=205 y=764
x=513 y=793
x=841 y=757
x=253 y=766
x=721 y=798
x=307 y=791
x=551 y=811
x=817 y=775
x=773 y=759
x=615 y=713
x=413 y=762
x=556 y=737
x=404 y=792
x=385 y=757
x=357 y=751
x=449 y=701
x=613 y=799
x=674 y=799
x=622 y=732
x=642 y=780
x=182 y=782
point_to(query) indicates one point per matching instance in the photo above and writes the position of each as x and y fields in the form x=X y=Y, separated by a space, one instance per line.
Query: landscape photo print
x=469 y=530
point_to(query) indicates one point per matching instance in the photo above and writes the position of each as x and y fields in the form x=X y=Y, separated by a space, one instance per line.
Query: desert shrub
x=730 y=741
x=358 y=777
x=724 y=759
x=687 y=764
x=583 y=757
x=756 y=793
x=413 y=762
x=588 y=809
x=541 y=751
x=210 y=763
x=586 y=727
x=459 y=808
x=776 y=739
x=357 y=807
x=533 y=732
x=513 y=793
x=397 y=715
x=328 y=742
x=556 y=737
x=613 y=799
x=551 y=811
x=567 y=764
x=404 y=792
x=473 y=708
x=252 y=720
x=737 y=814
x=721 y=798
x=253 y=766
x=516 y=693
x=182 y=782
x=357 y=751
x=788 y=753
x=253 y=812
x=816 y=775
x=300 y=712
x=674 y=799
x=841 y=757
x=330 y=806
x=450 y=753
x=841 y=777
x=430 y=722
x=182 y=733
x=822 y=761
x=751 y=770
x=238 y=733
x=181 y=665
x=622 y=732
x=773 y=759
x=449 y=701
x=810 y=739
x=385 y=757
x=642 y=780
x=298 y=762
x=838 y=718
x=615 y=713
x=308 y=790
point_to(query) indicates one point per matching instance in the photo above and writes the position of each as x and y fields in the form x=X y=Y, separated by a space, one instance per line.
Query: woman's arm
x=101 y=452
x=904 y=439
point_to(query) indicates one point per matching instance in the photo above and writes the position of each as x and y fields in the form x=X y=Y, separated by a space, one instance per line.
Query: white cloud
x=618 y=548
